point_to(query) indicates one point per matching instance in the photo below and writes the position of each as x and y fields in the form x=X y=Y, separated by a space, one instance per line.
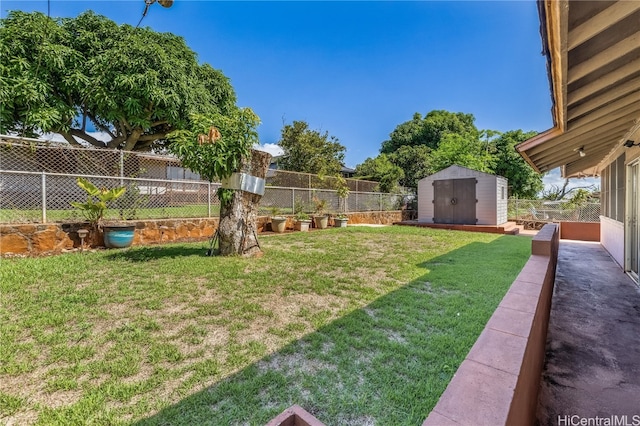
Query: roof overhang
x=593 y=62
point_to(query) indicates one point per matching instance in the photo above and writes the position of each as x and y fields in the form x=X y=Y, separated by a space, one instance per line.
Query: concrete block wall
x=498 y=382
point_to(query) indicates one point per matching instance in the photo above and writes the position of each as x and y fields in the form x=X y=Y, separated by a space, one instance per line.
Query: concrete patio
x=592 y=364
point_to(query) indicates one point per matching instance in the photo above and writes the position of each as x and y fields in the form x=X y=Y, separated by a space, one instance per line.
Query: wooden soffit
x=593 y=61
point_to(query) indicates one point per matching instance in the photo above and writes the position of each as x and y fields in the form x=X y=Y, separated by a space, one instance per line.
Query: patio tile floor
x=592 y=365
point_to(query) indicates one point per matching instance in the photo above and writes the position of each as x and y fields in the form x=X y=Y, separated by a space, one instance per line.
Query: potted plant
x=114 y=235
x=342 y=190
x=320 y=218
x=278 y=223
x=340 y=221
x=303 y=220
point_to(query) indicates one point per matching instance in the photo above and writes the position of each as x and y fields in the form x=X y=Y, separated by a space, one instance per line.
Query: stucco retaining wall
x=582 y=231
x=39 y=239
x=498 y=382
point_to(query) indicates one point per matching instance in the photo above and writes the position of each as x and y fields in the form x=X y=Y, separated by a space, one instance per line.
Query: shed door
x=455 y=201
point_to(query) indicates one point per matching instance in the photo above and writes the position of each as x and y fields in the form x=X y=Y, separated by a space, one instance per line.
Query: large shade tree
x=425 y=145
x=430 y=129
x=524 y=182
x=310 y=151
x=69 y=75
x=382 y=170
x=415 y=162
x=455 y=149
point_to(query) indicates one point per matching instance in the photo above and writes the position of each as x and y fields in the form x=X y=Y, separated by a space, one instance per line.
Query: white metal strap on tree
x=244 y=182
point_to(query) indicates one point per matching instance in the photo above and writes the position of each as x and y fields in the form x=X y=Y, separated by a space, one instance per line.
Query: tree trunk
x=237 y=231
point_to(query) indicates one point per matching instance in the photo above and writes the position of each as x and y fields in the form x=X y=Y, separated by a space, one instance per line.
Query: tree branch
x=144 y=146
x=131 y=141
x=67 y=136
x=116 y=142
x=152 y=137
x=84 y=136
x=101 y=127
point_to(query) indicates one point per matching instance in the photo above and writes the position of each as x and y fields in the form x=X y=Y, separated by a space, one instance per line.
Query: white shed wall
x=486 y=196
x=491 y=208
x=425 y=200
x=502 y=197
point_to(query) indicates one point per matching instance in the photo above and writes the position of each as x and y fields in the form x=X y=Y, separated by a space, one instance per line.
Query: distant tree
x=409 y=133
x=415 y=162
x=134 y=84
x=310 y=151
x=430 y=130
x=455 y=149
x=524 y=182
x=564 y=192
x=381 y=170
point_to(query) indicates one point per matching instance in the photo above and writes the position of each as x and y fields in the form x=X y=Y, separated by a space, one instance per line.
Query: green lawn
x=358 y=326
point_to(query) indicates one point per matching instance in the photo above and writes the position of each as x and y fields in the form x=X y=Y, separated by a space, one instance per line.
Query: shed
x=458 y=195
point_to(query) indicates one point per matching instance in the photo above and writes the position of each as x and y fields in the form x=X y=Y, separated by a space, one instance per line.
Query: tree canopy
x=523 y=180
x=425 y=145
x=455 y=149
x=215 y=145
x=414 y=161
x=381 y=170
x=310 y=151
x=430 y=130
x=136 y=85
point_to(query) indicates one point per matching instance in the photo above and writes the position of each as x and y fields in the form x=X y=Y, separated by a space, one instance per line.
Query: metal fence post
x=380 y=197
x=43 y=185
x=293 y=200
x=209 y=199
x=121 y=168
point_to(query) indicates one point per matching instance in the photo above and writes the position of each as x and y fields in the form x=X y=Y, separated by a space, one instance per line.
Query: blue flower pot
x=118 y=236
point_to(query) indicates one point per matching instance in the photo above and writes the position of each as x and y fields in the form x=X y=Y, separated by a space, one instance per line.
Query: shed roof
x=453 y=169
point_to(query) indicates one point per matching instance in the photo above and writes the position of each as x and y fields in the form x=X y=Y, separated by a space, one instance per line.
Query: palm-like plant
x=97 y=198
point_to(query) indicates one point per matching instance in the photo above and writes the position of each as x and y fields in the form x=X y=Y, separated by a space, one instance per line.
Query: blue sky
x=358 y=69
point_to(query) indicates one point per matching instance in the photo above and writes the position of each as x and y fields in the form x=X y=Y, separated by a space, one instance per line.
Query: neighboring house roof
x=593 y=60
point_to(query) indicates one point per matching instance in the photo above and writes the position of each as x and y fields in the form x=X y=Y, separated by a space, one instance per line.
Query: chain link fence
x=288 y=179
x=31 y=197
x=552 y=211
x=38 y=183
x=35 y=156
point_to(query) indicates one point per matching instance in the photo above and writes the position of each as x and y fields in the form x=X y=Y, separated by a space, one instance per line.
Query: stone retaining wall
x=40 y=239
x=498 y=382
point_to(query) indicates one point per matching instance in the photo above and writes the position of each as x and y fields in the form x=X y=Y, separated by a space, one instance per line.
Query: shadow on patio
x=592 y=364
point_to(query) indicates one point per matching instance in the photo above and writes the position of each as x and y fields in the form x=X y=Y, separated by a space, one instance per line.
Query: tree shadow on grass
x=386 y=363
x=146 y=253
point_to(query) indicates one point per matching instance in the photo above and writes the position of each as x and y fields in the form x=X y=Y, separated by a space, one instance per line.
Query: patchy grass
x=359 y=326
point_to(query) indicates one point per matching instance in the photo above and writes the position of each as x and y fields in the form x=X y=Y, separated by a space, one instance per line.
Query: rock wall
x=40 y=239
